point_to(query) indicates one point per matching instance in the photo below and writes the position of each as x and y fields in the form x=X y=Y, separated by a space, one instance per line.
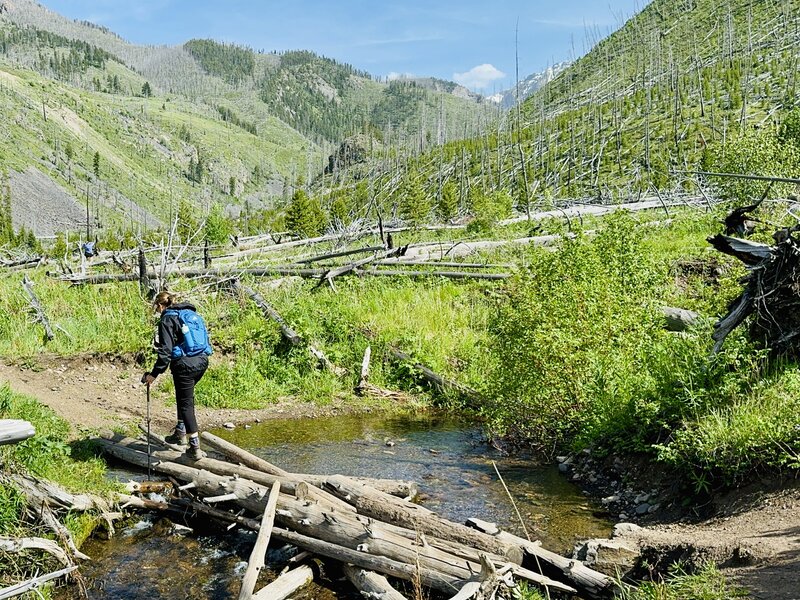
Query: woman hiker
x=181 y=343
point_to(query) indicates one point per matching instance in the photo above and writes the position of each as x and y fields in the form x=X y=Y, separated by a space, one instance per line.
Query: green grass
x=707 y=583
x=47 y=455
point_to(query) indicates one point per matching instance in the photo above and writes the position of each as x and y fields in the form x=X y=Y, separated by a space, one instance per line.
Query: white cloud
x=479 y=77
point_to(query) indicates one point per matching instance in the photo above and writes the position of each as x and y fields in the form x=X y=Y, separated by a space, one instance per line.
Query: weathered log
x=435 y=379
x=269 y=271
x=16 y=545
x=41 y=497
x=341 y=253
x=590 y=582
x=256 y=562
x=244 y=457
x=750 y=253
x=370 y=584
x=383 y=507
x=440 y=263
x=258 y=464
x=679 y=319
x=32 y=584
x=394 y=487
x=13 y=431
x=287 y=332
x=37 y=307
x=344 y=530
x=41 y=492
x=167 y=459
x=330 y=275
x=444 y=274
x=286 y=585
x=408 y=572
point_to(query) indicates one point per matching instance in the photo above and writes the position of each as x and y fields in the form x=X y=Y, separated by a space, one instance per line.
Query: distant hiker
x=89 y=249
x=182 y=344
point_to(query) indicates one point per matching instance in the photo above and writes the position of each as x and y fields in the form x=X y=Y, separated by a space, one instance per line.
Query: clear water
x=452 y=466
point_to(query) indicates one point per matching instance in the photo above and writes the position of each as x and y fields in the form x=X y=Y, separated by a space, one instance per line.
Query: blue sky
x=469 y=41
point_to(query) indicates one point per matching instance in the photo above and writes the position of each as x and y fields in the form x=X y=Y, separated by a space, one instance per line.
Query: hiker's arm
x=166 y=342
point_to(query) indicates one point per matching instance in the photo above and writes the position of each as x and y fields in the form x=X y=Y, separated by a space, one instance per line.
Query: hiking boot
x=194 y=453
x=177 y=438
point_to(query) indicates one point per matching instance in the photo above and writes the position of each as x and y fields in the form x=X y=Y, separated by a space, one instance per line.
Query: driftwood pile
x=771 y=291
x=45 y=505
x=364 y=524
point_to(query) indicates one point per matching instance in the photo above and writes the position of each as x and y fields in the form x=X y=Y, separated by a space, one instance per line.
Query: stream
x=448 y=459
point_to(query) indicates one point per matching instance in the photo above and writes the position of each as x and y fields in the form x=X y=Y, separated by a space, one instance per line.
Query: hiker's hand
x=148 y=379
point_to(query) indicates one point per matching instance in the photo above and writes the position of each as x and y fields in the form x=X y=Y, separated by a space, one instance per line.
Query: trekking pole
x=149 y=472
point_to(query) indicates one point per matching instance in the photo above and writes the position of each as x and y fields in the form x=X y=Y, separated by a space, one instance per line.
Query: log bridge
x=389 y=546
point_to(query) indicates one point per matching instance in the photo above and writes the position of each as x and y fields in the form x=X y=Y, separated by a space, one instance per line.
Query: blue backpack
x=195 y=334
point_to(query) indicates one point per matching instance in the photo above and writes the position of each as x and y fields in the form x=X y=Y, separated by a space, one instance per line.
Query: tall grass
x=707 y=583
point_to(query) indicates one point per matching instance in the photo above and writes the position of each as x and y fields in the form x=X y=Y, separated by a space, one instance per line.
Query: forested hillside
x=132 y=131
x=697 y=84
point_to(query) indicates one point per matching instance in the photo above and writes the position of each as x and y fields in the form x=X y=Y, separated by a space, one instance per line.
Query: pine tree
x=146 y=90
x=218 y=227
x=304 y=215
x=187 y=224
x=96 y=164
x=447 y=207
x=415 y=208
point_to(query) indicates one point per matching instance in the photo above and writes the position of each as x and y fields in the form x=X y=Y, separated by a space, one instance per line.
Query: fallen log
x=287 y=332
x=286 y=585
x=371 y=585
x=330 y=275
x=593 y=583
x=386 y=508
x=269 y=271
x=441 y=263
x=125 y=449
x=394 y=487
x=435 y=379
x=32 y=584
x=444 y=274
x=341 y=253
x=17 y=545
x=37 y=307
x=13 y=431
x=256 y=562
x=408 y=572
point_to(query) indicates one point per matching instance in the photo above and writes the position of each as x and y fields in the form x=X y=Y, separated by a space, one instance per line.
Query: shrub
x=567 y=338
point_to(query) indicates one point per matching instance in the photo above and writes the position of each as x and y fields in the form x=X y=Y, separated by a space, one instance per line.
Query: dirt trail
x=96 y=394
x=754 y=537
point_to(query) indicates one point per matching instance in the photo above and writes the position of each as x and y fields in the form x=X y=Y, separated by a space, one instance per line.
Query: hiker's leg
x=184 y=397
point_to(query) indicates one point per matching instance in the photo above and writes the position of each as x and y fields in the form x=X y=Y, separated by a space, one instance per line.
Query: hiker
x=89 y=249
x=182 y=344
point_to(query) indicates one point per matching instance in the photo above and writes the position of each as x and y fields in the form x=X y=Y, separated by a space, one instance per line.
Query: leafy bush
x=754 y=152
x=568 y=338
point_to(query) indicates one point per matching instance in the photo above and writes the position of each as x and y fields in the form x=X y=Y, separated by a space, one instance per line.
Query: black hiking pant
x=185 y=378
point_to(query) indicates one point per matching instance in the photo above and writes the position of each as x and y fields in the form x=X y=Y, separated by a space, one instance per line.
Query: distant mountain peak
x=528 y=86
